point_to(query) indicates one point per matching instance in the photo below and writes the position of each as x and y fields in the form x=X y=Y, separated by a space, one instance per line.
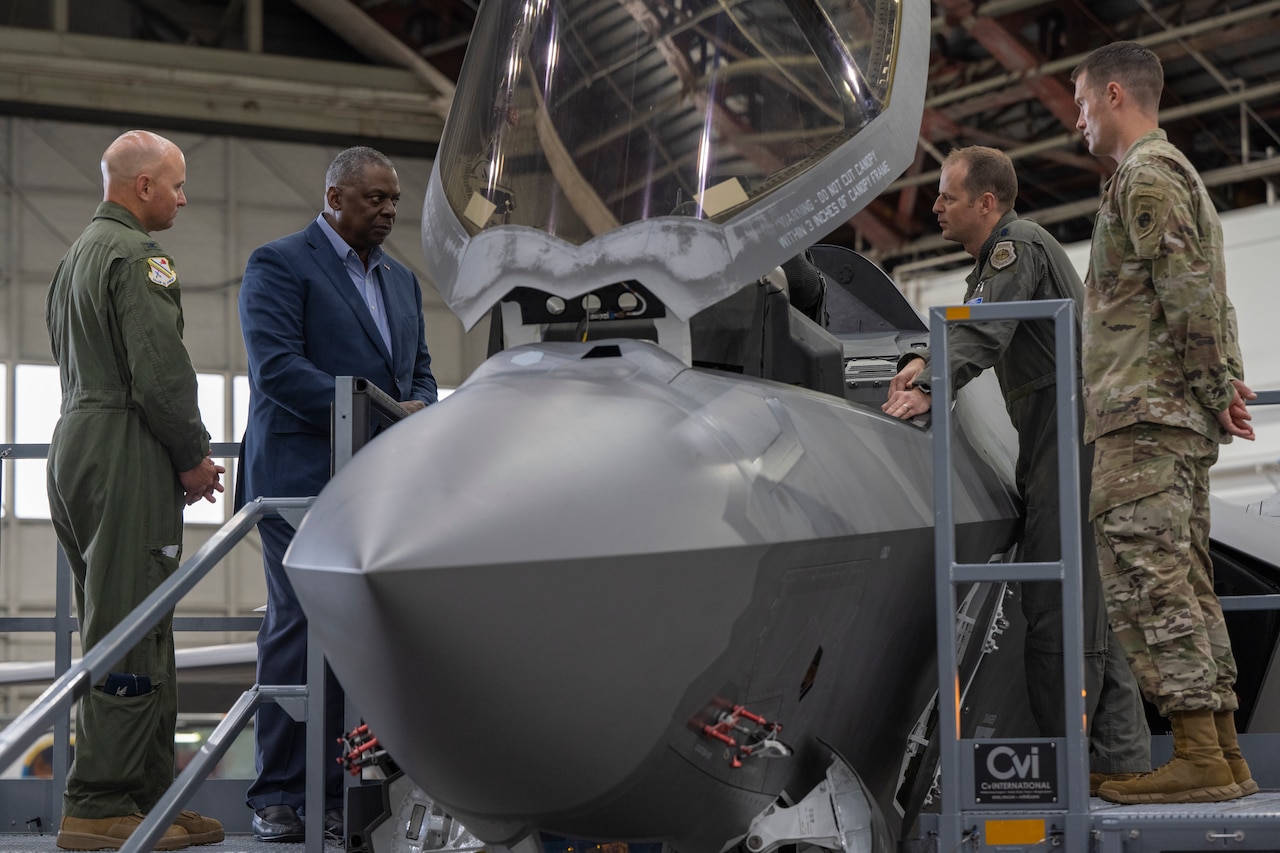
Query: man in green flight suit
x=1163 y=388
x=128 y=452
x=1017 y=260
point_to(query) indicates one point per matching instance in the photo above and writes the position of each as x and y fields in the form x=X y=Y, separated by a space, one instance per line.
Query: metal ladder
x=1064 y=818
x=1047 y=798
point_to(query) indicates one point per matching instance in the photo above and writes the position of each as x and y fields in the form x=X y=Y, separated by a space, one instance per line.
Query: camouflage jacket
x=1160 y=342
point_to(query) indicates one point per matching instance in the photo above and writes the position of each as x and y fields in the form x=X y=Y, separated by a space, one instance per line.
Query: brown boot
x=110 y=833
x=1225 y=723
x=200 y=829
x=1197 y=773
x=1097 y=780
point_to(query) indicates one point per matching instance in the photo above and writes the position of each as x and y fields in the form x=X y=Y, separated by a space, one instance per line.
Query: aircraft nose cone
x=518 y=559
x=531 y=466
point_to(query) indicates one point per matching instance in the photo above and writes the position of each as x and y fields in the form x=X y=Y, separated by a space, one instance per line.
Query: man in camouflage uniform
x=1163 y=388
x=1017 y=261
x=128 y=451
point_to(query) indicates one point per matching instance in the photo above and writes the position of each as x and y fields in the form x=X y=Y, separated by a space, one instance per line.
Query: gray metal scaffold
x=1032 y=794
x=357 y=407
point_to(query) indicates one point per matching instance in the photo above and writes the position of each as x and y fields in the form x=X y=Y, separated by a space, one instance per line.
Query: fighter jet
x=660 y=570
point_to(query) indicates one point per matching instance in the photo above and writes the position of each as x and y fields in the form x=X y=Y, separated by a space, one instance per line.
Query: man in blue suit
x=324 y=302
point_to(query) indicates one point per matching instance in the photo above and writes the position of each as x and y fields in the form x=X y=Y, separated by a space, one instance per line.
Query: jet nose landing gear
x=838 y=815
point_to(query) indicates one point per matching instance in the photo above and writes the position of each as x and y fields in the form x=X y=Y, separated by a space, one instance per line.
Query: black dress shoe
x=333 y=823
x=278 y=823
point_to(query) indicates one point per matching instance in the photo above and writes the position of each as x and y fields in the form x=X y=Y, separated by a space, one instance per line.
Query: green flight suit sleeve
x=921 y=353
x=923 y=380
x=162 y=381
x=1188 y=278
x=1009 y=274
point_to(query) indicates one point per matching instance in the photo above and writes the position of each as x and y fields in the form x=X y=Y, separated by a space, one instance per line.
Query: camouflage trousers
x=1150 y=510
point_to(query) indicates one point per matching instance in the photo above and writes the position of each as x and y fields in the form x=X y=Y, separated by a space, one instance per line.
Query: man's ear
x=142 y=186
x=987 y=202
x=333 y=197
x=1115 y=94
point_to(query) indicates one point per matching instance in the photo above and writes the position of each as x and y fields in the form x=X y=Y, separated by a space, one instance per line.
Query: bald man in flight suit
x=128 y=452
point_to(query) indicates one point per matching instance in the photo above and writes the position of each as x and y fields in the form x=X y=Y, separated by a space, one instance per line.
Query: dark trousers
x=282 y=659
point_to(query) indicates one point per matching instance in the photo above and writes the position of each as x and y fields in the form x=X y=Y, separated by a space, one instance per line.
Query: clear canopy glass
x=577 y=117
x=687 y=145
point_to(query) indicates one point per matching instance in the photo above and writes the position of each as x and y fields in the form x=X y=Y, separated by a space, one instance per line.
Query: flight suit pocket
x=119 y=730
x=163 y=563
x=151 y=656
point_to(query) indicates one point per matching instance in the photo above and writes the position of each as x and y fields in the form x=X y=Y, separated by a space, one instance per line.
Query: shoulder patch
x=1150 y=207
x=160 y=271
x=1003 y=254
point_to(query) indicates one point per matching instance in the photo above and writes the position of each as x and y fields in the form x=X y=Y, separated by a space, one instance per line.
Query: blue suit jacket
x=303 y=324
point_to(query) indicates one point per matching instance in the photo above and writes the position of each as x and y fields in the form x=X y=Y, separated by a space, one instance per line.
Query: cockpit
x=658 y=157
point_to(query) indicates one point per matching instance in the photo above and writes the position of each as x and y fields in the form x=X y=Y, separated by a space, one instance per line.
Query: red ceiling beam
x=905 y=220
x=1014 y=54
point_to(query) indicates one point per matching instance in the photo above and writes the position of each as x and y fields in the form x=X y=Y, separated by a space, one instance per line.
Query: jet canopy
x=688 y=145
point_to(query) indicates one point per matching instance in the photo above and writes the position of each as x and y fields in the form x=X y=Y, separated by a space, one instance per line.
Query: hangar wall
x=241 y=193
x=1246 y=471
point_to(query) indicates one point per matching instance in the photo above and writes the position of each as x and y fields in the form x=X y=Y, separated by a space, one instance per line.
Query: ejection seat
x=770 y=329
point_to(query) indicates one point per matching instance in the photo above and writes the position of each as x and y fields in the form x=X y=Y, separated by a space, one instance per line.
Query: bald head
x=144 y=173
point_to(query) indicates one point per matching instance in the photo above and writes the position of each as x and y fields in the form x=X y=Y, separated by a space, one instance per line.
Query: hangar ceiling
x=382 y=70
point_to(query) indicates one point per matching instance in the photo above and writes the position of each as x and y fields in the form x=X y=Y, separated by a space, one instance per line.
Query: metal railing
x=1068 y=824
x=1074 y=816
x=357 y=406
x=78 y=679
x=44 y=796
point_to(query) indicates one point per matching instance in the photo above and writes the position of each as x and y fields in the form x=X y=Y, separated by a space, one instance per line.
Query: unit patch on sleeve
x=160 y=271
x=1003 y=255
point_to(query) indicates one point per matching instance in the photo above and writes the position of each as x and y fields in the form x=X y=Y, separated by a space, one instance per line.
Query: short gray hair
x=348 y=165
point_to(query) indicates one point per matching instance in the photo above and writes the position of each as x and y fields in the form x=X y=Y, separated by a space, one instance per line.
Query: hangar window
x=37 y=400
x=212 y=396
x=37 y=397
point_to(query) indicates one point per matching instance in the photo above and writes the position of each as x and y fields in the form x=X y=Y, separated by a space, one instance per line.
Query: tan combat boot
x=1097 y=780
x=1197 y=773
x=200 y=829
x=1225 y=722
x=110 y=833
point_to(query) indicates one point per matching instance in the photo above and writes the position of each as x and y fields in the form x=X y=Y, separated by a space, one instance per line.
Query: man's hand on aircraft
x=905 y=399
x=906 y=377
